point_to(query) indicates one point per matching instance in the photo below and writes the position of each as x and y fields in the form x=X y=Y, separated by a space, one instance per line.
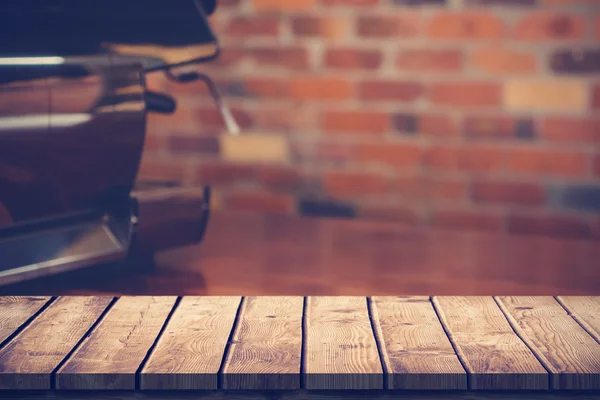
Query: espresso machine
x=73 y=115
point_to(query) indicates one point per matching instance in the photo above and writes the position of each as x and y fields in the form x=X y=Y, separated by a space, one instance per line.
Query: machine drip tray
x=53 y=251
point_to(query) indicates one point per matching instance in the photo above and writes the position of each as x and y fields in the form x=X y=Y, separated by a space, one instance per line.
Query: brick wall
x=475 y=114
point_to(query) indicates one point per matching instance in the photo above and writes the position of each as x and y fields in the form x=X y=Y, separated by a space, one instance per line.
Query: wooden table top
x=300 y=343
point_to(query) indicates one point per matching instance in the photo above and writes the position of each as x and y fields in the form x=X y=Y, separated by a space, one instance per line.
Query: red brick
x=546 y=26
x=439 y=188
x=468 y=219
x=596 y=164
x=343 y=184
x=569 y=2
x=284 y=117
x=229 y=56
x=325 y=27
x=472 y=158
x=548 y=225
x=318 y=88
x=438 y=125
x=280 y=178
x=406 y=25
x=356 y=3
x=396 y=155
x=267 y=87
x=283 y=6
x=158 y=170
x=501 y=61
x=183 y=144
x=252 y=26
x=353 y=59
x=596 y=96
x=497 y=127
x=397 y=214
x=405 y=91
x=210 y=117
x=256 y=201
x=430 y=60
x=322 y=152
x=469 y=94
x=465 y=25
x=431 y=189
x=547 y=162
x=216 y=173
x=571 y=130
x=410 y=188
x=152 y=142
x=278 y=56
x=367 y=122
x=508 y=192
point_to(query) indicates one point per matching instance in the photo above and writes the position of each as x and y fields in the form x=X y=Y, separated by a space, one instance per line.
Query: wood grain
x=567 y=350
x=29 y=359
x=190 y=351
x=266 y=348
x=415 y=350
x=15 y=311
x=494 y=356
x=340 y=350
x=110 y=357
x=585 y=310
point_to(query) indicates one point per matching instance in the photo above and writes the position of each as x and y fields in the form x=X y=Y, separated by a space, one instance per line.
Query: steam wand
x=232 y=126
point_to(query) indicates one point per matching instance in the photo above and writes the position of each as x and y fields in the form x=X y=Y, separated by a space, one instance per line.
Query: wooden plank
x=415 y=350
x=16 y=310
x=191 y=349
x=28 y=360
x=570 y=354
x=585 y=310
x=340 y=350
x=494 y=356
x=110 y=357
x=266 y=348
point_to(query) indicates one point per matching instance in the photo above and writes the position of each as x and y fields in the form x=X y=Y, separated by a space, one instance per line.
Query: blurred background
x=479 y=119
x=475 y=114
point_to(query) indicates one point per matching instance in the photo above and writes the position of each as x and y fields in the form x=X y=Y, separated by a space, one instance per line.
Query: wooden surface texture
x=409 y=343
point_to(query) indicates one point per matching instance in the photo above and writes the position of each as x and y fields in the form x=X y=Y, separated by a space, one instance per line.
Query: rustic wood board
x=266 y=349
x=585 y=310
x=110 y=357
x=340 y=349
x=28 y=360
x=285 y=345
x=16 y=310
x=570 y=354
x=494 y=356
x=190 y=351
x=414 y=347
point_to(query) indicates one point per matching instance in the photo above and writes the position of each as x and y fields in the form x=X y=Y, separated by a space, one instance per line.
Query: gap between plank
x=590 y=331
x=232 y=335
x=27 y=322
x=303 y=355
x=303 y=343
x=155 y=343
x=379 y=342
x=521 y=335
x=80 y=341
x=437 y=309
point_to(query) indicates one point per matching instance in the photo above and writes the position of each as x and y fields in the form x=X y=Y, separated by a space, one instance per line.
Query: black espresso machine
x=73 y=112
